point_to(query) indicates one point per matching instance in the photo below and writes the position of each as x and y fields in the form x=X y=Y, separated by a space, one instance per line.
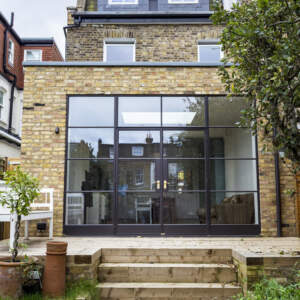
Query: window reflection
x=139 y=144
x=139 y=111
x=234 y=208
x=88 y=208
x=184 y=144
x=91 y=143
x=91 y=111
x=137 y=175
x=87 y=175
x=183 y=111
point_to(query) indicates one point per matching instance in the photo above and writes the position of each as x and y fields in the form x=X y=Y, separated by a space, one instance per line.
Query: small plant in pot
x=22 y=190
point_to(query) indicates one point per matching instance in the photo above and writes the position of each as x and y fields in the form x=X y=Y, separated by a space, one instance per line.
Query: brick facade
x=153 y=42
x=43 y=151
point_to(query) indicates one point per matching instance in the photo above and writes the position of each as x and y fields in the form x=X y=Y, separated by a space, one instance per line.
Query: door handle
x=165 y=184
x=158 y=184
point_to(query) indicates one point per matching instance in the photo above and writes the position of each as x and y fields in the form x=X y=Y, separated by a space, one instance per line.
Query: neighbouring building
x=136 y=135
x=13 y=51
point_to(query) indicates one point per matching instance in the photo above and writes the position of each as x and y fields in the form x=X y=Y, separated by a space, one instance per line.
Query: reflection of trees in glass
x=197 y=105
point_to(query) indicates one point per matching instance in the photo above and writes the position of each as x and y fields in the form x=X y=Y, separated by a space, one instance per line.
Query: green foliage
x=261 y=39
x=272 y=290
x=23 y=190
x=82 y=288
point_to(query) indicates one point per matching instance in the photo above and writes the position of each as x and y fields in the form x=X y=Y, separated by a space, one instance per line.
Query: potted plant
x=22 y=190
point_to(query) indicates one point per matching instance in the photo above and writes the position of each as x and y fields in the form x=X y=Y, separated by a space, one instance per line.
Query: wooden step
x=159 y=291
x=188 y=273
x=166 y=255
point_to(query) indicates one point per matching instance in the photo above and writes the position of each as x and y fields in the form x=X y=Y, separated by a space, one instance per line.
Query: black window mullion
x=116 y=164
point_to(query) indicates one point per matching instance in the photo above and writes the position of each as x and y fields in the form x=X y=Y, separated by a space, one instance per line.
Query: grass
x=80 y=288
x=270 y=289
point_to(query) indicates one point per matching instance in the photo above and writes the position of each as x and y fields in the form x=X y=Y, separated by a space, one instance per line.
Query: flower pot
x=54 y=279
x=10 y=278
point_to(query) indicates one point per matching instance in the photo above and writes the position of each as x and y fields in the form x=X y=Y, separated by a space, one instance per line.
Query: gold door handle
x=165 y=184
x=158 y=184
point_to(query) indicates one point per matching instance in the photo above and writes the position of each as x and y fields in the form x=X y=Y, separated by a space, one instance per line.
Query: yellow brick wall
x=43 y=151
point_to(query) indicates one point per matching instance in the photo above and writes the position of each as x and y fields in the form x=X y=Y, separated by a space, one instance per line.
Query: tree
x=22 y=191
x=261 y=41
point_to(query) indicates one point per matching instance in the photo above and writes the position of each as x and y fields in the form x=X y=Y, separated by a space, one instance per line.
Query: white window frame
x=139 y=176
x=125 y=2
x=117 y=44
x=11 y=52
x=2 y=105
x=210 y=45
x=183 y=1
x=33 y=50
x=137 y=151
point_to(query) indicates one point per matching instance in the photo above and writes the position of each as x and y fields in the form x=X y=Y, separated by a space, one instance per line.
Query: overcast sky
x=39 y=18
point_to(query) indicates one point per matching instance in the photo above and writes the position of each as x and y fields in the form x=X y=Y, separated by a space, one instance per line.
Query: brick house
x=135 y=133
x=13 y=51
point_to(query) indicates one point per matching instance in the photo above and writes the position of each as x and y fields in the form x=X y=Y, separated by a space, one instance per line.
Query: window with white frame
x=1 y=104
x=137 y=151
x=121 y=2
x=183 y=1
x=228 y=4
x=32 y=55
x=11 y=52
x=139 y=176
x=119 y=51
x=209 y=53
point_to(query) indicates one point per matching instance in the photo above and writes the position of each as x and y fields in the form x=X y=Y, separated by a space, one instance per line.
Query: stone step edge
x=162 y=285
x=165 y=265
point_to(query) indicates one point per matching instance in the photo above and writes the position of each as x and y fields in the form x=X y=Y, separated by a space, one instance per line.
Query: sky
x=39 y=18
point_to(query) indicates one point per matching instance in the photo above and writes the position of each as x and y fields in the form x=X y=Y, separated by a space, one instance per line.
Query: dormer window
x=33 y=55
x=209 y=52
x=119 y=51
x=183 y=1
x=122 y=2
x=11 y=52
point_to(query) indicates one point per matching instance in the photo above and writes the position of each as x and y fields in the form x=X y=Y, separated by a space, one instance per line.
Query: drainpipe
x=278 y=196
x=6 y=70
x=77 y=23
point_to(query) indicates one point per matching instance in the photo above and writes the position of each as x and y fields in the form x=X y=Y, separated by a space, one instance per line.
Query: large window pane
x=88 y=175
x=88 y=208
x=138 y=208
x=139 y=111
x=183 y=111
x=188 y=174
x=139 y=144
x=210 y=53
x=233 y=175
x=183 y=143
x=137 y=175
x=234 y=208
x=184 y=208
x=232 y=143
x=91 y=143
x=91 y=111
x=224 y=111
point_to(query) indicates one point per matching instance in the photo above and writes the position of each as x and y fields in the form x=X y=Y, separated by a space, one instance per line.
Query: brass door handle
x=158 y=184
x=165 y=184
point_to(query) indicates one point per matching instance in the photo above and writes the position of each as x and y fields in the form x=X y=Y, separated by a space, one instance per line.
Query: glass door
x=184 y=190
x=139 y=181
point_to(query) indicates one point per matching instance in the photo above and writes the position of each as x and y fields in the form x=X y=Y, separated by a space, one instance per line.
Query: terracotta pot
x=54 y=279
x=10 y=278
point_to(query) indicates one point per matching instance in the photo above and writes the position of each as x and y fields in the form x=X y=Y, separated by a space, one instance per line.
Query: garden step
x=166 y=255
x=189 y=273
x=160 y=291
